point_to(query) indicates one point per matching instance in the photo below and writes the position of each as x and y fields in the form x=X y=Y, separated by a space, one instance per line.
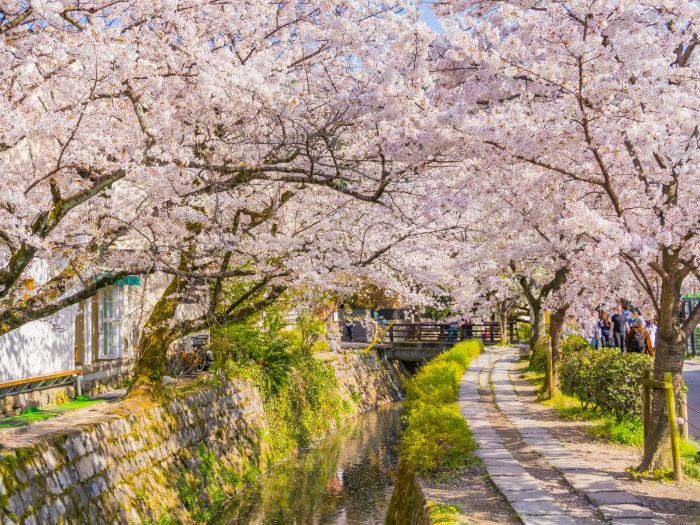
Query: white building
x=95 y=341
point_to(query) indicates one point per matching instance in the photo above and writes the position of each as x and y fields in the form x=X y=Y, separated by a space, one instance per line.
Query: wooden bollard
x=673 y=427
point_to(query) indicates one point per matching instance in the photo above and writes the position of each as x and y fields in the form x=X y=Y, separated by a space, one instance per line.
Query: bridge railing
x=446 y=332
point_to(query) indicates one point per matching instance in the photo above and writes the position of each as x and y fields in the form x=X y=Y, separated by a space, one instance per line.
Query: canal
x=347 y=479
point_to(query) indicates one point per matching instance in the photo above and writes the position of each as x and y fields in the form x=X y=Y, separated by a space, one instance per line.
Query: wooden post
x=646 y=400
x=683 y=409
x=391 y=333
x=550 y=372
x=673 y=428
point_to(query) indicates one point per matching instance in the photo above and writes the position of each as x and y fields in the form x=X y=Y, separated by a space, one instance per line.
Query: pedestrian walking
x=619 y=328
x=596 y=339
x=651 y=330
x=638 y=340
x=605 y=332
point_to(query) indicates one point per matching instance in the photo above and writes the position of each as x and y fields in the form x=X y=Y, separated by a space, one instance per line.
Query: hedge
x=604 y=379
x=436 y=436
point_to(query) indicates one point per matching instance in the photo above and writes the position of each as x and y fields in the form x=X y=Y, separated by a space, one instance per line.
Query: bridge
x=415 y=342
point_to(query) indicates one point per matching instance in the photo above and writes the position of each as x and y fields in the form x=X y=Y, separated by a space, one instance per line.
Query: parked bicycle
x=188 y=362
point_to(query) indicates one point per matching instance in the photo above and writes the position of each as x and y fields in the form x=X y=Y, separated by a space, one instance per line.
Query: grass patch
x=444 y=514
x=437 y=437
x=33 y=415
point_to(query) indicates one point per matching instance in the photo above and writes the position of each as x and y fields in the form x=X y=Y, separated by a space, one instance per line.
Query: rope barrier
x=691 y=407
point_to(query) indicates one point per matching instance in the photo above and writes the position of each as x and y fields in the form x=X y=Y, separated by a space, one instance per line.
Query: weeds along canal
x=346 y=479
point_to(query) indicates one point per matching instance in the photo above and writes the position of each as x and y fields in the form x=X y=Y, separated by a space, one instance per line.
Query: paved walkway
x=691 y=376
x=554 y=487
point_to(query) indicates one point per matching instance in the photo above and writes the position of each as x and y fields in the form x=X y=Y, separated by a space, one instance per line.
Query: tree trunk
x=503 y=320
x=669 y=354
x=156 y=337
x=537 y=326
x=556 y=330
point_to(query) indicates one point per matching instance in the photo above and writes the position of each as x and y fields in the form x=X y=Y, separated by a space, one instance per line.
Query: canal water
x=347 y=479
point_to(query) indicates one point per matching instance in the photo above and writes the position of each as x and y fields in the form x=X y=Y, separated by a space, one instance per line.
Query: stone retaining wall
x=104 y=376
x=125 y=468
x=409 y=503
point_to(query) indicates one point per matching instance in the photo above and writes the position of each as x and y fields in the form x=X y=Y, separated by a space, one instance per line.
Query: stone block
x=612 y=498
x=521 y=482
x=53 y=485
x=591 y=481
x=78 y=446
x=492 y=462
x=506 y=470
x=50 y=460
x=638 y=521
x=494 y=453
x=64 y=478
x=21 y=475
x=536 y=508
x=549 y=519
x=15 y=505
x=526 y=495
x=43 y=515
x=85 y=468
x=626 y=510
x=99 y=462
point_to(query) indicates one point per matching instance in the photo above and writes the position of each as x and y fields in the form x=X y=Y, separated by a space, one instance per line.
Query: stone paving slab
x=614 y=497
x=638 y=521
x=527 y=495
x=511 y=470
x=536 y=508
x=553 y=519
x=602 y=490
x=626 y=510
x=501 y=462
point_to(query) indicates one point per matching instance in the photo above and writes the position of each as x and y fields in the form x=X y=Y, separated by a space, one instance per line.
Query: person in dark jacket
x=638 y=340
x=619 y=326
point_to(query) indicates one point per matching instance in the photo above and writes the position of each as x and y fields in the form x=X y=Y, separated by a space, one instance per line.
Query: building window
x=111 y=312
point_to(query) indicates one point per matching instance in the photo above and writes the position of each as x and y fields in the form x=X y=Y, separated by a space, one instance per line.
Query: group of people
x=626 y=330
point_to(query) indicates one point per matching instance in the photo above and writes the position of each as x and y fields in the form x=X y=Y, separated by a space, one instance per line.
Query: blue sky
x=429 y=17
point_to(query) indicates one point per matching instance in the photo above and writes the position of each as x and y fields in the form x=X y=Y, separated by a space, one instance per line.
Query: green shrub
x=605 y=379
x=300 y=393
x=538 y=362
x=624 y=431
x=574 y=343
x=524 y=331
x=577 y=372
x=437 y=437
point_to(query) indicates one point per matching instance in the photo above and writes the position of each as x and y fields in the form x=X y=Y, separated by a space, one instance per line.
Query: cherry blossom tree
x=120 y=115
x=599 y=96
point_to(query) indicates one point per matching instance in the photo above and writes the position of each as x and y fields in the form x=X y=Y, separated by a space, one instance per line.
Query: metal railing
x=23 y=386
x=442 y=333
